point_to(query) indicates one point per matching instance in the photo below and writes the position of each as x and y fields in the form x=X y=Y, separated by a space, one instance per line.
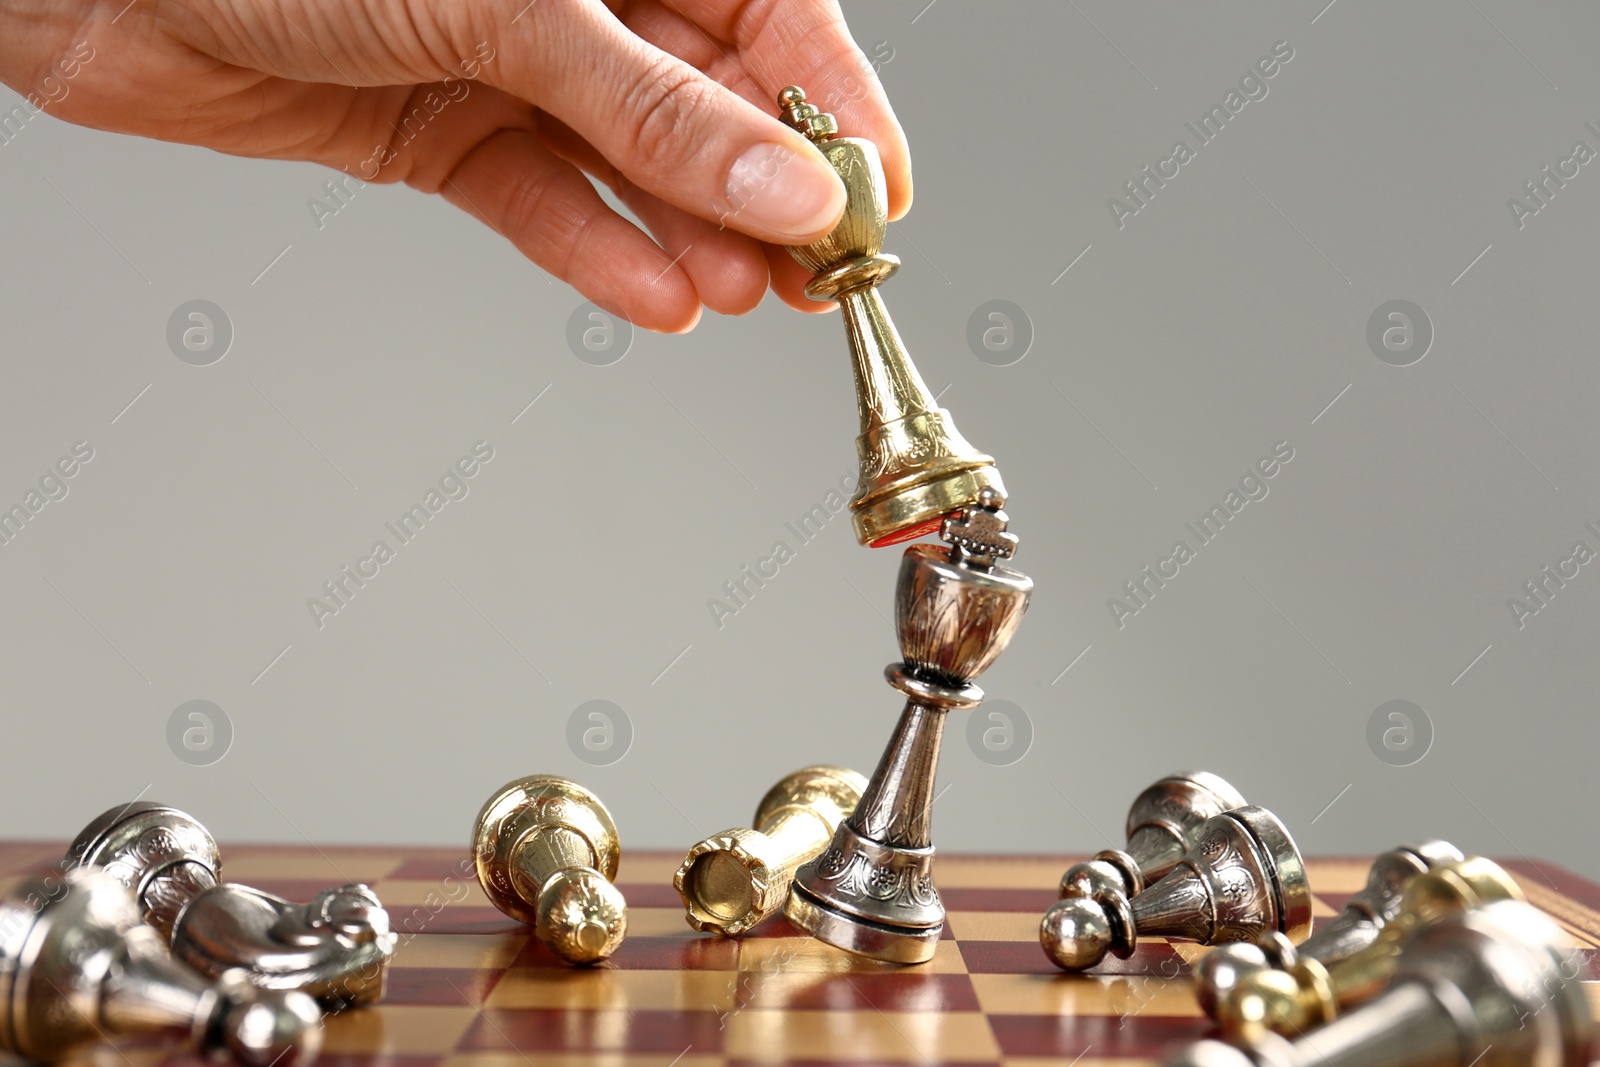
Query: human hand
x=500 y=106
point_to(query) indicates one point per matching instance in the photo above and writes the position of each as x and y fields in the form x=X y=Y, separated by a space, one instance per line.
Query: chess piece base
x=878 y=941
x=874 y=899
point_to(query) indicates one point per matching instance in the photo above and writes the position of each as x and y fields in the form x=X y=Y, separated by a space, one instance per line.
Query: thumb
x=672 y=130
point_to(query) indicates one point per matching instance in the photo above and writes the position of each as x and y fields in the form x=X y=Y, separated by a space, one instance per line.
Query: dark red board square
x=1549 y=876
x=889 y=991
x=458 y=919
x=559 y=1030
x=650 y=894
x=1141 y=1036
x=28 y=857
x=691 y=953
x=451 y=986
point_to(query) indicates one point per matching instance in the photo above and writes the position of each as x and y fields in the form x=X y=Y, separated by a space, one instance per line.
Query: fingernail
x=791 y=192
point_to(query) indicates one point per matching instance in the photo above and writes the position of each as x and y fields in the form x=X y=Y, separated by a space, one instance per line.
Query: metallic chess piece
x=336 y=947
x=916 y=468
x=77 y=966
x=1243 y=876
x=1308 y=992
x=1163 y=824
x=546 y=851
x=1353 y=929
x=733 y=880
x=1489 y=988
x=872 y=891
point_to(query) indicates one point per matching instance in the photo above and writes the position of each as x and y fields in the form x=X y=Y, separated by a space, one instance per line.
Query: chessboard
x=471 y=988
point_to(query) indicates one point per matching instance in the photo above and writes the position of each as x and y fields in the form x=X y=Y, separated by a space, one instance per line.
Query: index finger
x=806 y=43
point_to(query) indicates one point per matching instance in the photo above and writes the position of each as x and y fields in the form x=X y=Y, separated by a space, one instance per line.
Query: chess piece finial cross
x=815 y=124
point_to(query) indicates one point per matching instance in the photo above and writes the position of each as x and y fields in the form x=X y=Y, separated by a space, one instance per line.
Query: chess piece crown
x=546 y=852
x=1484 y=988
x=915 y=467
x=1244 y=875
x=733 y=880
x=78 y=966
x=1308 y=992
x=1163 y=823
x=1358 y=924
x=336 y=947
x=956 y=607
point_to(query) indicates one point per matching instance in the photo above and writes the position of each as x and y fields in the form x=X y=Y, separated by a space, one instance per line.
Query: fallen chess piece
x=1486 y=988
x=1243 y=876
x=871 y=892
x=78 y=967
x=1162 y=825
x=1308 y=993
x=546 y=853
x=731 y=881
x=1356 y=926
x=336 y=947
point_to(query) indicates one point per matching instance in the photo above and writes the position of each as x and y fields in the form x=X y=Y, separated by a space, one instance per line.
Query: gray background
x=1226 y=316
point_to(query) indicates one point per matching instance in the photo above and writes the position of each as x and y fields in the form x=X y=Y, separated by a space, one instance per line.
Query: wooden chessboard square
x=1323 y=907
x=1116 y=1039
x=956 y=871
x=397 y=1028
x=650 y=894
x=1113 y=997
x=450 y=891
x=776 y=926
x=855 y=1036
x=1338 y=875
x=804 y=954
x=994 y=925
x=605 y=988
x=1151 y=959
x=482 y=951
x=648 y=868
x=435 y=865
x=351 y=1059
x=330 y=865
x=449 y=986
x=539 y=1030
x=24 y=857
x=895 y=992
x=658 y=922
x=685 y=950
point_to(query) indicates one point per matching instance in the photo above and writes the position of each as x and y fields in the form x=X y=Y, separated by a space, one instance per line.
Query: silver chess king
x=956 y=605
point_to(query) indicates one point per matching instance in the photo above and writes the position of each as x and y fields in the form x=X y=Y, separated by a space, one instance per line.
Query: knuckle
x=553 y=225
x=664 y=105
